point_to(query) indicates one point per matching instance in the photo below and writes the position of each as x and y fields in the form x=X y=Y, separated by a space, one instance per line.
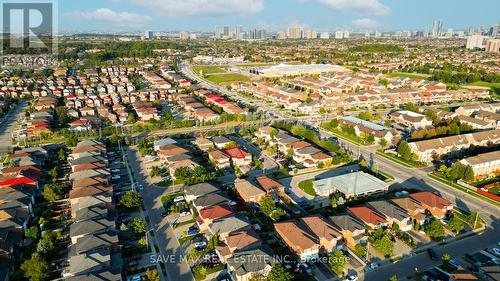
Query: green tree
x=279 y=273
x=404 y=150
x=54 y=191
x=434 y=229
x=277 y=214
x=71 y=141
x=384 y=245
x=131 y=200
x=131 y=118
x=47 y=244
x=36 y=269
x=393 y=278
x=53 y=173
x=446 y=257
x=337 y=261
x=363 y=164
x=151 y=275
x=155 y=171
x=382 y=142
x=61 y=115
x=367 y=115
x=62 y=155
x=469 y=173
x=33 y=232
x=267 y=205
x=456 y=225
x=138 y=225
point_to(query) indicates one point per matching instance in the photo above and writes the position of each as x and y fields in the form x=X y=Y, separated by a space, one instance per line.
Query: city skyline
x=319 y=15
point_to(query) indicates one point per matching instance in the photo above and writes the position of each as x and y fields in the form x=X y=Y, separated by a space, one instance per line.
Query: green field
x=208 y=69
x=307 y=187
x=484 y=84
x=410 y=75
x=230 y=78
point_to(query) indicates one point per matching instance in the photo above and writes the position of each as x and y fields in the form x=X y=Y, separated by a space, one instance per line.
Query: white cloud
x=184 y=8
x=108 y=16
x=365 y=23
x=366 y=7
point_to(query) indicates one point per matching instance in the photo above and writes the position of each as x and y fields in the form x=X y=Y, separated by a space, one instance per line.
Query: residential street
x=8 y=124
x=169 y=248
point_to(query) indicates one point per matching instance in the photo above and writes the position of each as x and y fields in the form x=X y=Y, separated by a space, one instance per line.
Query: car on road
x=192 y=232
x=134 y=278
x=432 y=254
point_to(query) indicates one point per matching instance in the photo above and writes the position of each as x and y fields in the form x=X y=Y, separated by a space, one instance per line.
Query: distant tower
x=237 y=32
x=226 y=31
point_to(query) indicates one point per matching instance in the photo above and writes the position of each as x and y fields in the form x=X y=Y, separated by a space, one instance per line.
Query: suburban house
x=207 y=215
x=369 y=128
x=170 y=150
x=411 y=120
x=436 y=205
x=225 y=225
x=352 y=184
x=220 y=142
x=243 y=267
x=219 y=159
x=195 y=191
x=368 y=216
x=272 y=187
x=248 y=191
x=468 y=110
x=484 y=164
x=393 y=213
x=207 y=200
x=416 y=211
x=158 y=144
x=351 y=228
x=239 y=157
x=203 y=143
x=238 y=241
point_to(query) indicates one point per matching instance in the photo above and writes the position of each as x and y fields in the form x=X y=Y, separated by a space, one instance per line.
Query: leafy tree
x=47 y=244
x=131 y=118
x=384 y=245
x=155 y=171
x=71 y=141
x=367 y=115
x=32 y=232
x=279 y=273
x=363 y=164
x=138 y=225
x=61 y=115
x=360 y=250
x=469 y=173
x=456 y=225
x=382 y=142
x=131 y=200
x=334 y=202
x=277 y=214
x=36 y=269
x=404 y=150
x=434 y=229
x=54 y=191
x=273 y=133
x=151 y=275
x=337 y=261
x=266 y=205
x=446 y=257
x=62 y=154
x=53 y=173
x=393 y=278
x=230 y=145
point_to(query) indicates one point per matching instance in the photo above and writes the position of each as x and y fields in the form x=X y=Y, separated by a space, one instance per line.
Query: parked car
x=200 y=245
x=192 y=232
x=178 y=199
x=455 y=264
x=134 y=278
x=496 y=251
x=185 y=213
x=432 y=254
x=115 y=177
x=352 y=278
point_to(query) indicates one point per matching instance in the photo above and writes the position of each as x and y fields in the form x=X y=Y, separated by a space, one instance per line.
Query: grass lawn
x=410 y=75
x=484 y=84
x=171 y=196
x=307 y=187
x=175 y=225
x=400 y=160
x=351 y=138
x=227 y=78
x=208 y=69
x=457 y=186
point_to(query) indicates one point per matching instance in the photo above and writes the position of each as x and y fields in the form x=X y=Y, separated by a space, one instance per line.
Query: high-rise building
x=470 y=30
x=148 y=35
x=437 y=28
x=493 y=45
x=311 y=35
x=295 y=32
x=237 y=32
x=184 y=35
x=281 y=35
x=339 y=34
x=217 y=33
x=475 y=41
x=449 y=33
x=377 y=33
x=226 y=31
x=495 y=30
x=346 y=34
x=324 y=35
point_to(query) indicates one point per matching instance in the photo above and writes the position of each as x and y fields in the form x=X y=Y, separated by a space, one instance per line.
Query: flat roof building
x=352 y=184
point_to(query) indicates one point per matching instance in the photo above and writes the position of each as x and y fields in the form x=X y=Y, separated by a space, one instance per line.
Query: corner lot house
x=434 y=204
x=393 y=213
x=352 y=184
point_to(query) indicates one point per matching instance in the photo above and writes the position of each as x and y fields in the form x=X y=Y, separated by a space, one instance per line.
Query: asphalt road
x=8 y=125
x=177 y=268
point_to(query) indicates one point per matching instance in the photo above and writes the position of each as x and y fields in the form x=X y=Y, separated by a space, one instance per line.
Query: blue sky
x=327 y=15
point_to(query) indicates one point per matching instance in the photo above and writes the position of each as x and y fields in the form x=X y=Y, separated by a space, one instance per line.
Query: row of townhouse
x=196 y=109
x=268 y=91
x=41 y=118
x=174 y=156
x=484 y=164
x=218 y=100
x=303 y=151
x=311 y=236
x=411 y=120
x=238 y=237
x=429 y=150
x=363 y=127
x=93 y=252
x=18 y=187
